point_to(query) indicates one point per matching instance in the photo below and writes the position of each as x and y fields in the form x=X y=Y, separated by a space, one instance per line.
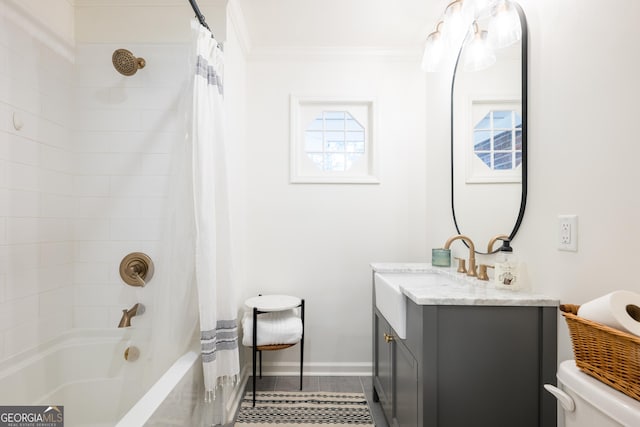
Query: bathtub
x=85 y=371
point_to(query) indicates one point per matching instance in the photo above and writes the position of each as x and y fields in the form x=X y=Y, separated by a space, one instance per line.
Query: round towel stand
x=267 y=304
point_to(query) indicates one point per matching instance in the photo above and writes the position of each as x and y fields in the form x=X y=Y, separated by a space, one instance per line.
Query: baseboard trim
x=356 y=369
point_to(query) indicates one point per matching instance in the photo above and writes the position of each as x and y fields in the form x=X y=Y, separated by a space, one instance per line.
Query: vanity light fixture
x=434 y=49
x=503 y=30
x=478 y=54
x=504 y=25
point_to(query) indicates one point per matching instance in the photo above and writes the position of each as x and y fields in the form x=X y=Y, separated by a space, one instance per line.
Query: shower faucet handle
x=136 y=269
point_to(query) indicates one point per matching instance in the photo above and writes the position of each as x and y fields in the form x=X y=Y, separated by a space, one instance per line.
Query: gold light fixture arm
x=455 y=2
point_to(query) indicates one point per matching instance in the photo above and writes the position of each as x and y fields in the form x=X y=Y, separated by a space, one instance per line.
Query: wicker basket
x=610 y=355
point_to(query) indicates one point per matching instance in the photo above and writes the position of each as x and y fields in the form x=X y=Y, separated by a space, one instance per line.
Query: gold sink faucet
x=127 y=315
x=472 y=252
x=493 y=241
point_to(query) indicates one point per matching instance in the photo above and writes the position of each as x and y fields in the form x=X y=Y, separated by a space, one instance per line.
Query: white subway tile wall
x=83 y=182
x=36 y=192
x=123 y=132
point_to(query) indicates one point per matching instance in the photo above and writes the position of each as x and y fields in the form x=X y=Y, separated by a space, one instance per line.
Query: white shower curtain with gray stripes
x=213 y=263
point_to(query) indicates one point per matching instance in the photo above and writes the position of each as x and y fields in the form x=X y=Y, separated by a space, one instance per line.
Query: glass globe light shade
x=478 y=54
x=482 y=8
x=504 y=27
x=433 y=52
x=457 y=18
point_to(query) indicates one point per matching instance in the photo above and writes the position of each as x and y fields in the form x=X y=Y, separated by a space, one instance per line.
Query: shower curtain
x=213 y=264
x=194 y=284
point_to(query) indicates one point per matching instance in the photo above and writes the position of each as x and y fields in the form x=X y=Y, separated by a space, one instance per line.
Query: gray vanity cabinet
x=467 y=365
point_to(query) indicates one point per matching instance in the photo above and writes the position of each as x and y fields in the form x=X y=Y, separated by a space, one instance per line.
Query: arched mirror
x=489 y=128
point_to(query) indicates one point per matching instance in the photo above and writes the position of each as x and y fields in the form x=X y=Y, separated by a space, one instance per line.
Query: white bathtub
x=86 y=372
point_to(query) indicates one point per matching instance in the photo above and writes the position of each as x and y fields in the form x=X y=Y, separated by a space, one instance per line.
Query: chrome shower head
x=126 y=63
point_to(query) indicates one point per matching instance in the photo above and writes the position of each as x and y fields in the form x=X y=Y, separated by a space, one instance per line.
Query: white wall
x=316 y=241
x=583 y=106
x=36 y=249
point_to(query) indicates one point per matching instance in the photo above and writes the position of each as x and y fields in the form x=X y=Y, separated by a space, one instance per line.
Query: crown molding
x=408 y=54
x=144 y=3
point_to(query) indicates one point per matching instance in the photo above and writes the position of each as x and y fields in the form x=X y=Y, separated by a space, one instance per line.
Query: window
x=493 y=141
x=332 y=141
x=497 y=140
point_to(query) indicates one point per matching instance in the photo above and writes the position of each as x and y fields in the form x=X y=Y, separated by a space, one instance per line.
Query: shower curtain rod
x=199 y=15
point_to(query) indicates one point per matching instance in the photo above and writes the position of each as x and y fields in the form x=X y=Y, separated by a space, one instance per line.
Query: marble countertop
x=428 y=285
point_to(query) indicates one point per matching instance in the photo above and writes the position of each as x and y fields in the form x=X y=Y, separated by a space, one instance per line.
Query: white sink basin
x=392 y=302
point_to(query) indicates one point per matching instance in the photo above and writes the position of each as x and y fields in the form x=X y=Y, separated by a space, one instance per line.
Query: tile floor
x=331 y=384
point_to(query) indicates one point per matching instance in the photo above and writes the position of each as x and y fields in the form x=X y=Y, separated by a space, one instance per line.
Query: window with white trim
x=332 y=141
x=497 y=140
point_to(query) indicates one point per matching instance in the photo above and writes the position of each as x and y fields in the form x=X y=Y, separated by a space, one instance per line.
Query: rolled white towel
x=279 y=327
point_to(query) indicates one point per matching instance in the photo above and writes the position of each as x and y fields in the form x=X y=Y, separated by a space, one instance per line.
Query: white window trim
x=330 y=177
x=476 y=171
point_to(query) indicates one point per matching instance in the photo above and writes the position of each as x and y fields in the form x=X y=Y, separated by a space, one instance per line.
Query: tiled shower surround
x=36 y=191
x=83 y=181
x=123 y=135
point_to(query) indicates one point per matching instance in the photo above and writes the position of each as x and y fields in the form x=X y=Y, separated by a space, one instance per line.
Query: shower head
x=126 y=63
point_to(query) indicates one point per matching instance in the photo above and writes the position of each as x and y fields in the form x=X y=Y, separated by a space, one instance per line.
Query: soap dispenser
x=507 y=267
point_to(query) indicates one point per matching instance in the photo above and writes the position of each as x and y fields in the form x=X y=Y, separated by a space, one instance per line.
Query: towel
x=279 y=327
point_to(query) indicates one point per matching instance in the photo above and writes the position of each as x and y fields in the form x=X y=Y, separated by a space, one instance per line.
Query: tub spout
x=136 y=310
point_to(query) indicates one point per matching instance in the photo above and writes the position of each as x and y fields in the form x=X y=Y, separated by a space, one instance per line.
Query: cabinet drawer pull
x=388 y=338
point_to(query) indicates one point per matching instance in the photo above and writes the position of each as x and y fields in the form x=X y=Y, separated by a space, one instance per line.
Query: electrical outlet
x=568 y=233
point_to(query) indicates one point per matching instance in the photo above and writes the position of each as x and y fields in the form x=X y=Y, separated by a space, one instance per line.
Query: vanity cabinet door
x=405 y=386
x=488 y=366
x=383 y=364
x=395 y=376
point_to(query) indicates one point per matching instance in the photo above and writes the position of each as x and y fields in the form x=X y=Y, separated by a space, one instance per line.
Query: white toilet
x=587 y=402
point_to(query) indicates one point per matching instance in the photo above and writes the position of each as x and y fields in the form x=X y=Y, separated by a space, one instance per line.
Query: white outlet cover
x=568 y=233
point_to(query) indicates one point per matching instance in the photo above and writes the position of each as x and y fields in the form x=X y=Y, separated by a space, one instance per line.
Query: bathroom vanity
x=449 y=351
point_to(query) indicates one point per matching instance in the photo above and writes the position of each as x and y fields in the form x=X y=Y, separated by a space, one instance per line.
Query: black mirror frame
x=525 y=128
